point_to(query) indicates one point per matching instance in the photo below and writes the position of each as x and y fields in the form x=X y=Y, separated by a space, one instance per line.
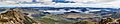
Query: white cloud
x=80 y=3
x=96 y=3
x=90 y=1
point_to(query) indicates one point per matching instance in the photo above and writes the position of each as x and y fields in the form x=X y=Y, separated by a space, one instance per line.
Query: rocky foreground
x=15 y=17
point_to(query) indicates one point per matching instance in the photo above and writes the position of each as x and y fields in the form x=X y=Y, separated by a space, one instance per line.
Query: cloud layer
x=92 y=3
x=79 y=3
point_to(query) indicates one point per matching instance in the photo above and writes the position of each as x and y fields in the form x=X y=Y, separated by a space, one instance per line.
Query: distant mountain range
x=69 y=8
x=60 y=10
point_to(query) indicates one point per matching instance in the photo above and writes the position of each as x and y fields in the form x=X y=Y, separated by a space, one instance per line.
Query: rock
x=15 y=17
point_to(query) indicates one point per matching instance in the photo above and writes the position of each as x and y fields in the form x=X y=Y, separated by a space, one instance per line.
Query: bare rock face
x=15 y=17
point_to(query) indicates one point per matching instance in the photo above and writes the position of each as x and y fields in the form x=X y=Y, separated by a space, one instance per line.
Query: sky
x=78 y=3
x=93 y=3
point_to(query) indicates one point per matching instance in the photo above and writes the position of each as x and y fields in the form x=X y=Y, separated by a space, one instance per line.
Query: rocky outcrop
x=110 y=21
x=15 y=17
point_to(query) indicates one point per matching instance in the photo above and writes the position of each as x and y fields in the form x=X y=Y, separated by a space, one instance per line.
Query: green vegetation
x=55 y=19
x=84 y=22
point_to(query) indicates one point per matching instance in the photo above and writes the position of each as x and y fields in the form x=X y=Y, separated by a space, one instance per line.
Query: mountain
x=15 y=17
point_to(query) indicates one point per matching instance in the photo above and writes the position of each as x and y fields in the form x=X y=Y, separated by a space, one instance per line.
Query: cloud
x=95 y=3
x=80 y=3
x=90 y=1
